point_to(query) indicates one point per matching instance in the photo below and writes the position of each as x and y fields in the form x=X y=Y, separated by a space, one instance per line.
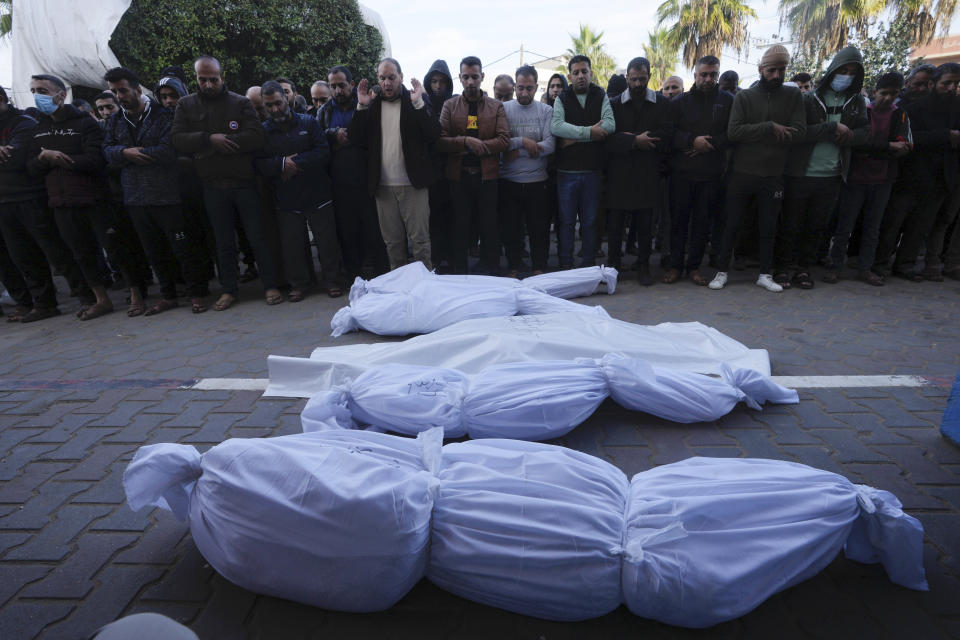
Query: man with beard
x=397 y=131
x=582 y=119
x=295 y=158
x=672 y=87
x=729 y=82
x=503 y=87
x=523 y=175
x=439 y=88
x=137 y=142
x=256 y=100
x=819 y=162
x=221 y=130
x=356 y=212
x=917 y=85
x=473 y=132
x=643 y=134
x=700 y=119
x=764 y=120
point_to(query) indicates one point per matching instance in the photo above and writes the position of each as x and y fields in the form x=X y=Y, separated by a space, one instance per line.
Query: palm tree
x=705 y=27
x=926 y=17
x=662 y=57
x=823 y=26
x=588 y=43
x=6 y=18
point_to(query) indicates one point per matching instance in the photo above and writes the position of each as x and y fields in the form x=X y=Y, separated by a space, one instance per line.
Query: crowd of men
x=174 y=186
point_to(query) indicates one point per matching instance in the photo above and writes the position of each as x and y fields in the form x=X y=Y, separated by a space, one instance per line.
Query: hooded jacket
x=144 y=185
x=819 y=129
x=17 y=130
x=563 y=79
x=80 y=137
x=170 y=81
x=435 y=102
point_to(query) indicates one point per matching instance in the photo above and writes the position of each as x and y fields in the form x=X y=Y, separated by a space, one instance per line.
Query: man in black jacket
x=438 y=87
x=397 y=131
x=138 y=143
x=700 y=118
x=356 y=212
x=66 y=151
x=221 y=130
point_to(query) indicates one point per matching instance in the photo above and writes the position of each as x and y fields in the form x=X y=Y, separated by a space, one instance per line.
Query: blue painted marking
x=950 y=427
x=94 y=385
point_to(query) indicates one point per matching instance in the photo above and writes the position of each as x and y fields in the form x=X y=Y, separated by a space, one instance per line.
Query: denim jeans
x=578 y=194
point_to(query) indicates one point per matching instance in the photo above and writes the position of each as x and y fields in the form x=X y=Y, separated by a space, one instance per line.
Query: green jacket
x=754 y=111
x=854 y=115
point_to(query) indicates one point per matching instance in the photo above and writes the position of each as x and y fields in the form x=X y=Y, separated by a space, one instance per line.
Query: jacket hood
x=438 y=66
x=844 y=56
x=170 y=81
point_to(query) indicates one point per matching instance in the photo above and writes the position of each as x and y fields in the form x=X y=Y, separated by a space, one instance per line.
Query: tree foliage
x=662 y=56
x=705 y=27
x=6 y=18
x=588 y=43
x=886 y=50
x=255 y=40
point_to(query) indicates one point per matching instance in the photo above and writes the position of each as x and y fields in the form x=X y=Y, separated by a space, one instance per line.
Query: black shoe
x=249 y=275
x=643 y=276
x=39 y=313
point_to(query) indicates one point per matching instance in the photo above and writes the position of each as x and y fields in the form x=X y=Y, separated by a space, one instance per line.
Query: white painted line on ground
x=793 y=382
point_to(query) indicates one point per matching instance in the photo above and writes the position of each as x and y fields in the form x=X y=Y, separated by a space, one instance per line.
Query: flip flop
x=161 y=306
x=274 y=297
x=134 y=310
x=97 y=310
x=224 y=302
x=197 y=305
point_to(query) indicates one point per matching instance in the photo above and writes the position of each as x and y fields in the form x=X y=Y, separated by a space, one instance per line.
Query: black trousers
x=358 y=229
x=473 y=197
x=31 y=236
x=82 y=228
x=639 y=219
x=171 y=248
x=12 y=279
x=441 y=222
x=223 y=206
x=807 y=204
x=293 y=235
x=695 y=204
x=741 y=191
x=524 y=203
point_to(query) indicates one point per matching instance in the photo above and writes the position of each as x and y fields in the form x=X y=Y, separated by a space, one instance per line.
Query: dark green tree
x=255 y=40
x=888 y=50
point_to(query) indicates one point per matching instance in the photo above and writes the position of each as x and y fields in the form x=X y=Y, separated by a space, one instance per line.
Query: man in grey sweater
x=523 y=175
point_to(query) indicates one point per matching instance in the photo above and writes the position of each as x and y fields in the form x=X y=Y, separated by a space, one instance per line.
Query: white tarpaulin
x=351 y=520
x=531 y=400
x=473 y=345
x=413 y=299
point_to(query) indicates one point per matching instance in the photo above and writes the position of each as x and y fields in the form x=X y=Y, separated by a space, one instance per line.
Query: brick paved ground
x=73 y=556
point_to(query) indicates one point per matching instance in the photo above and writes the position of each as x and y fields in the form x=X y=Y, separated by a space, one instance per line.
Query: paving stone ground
x=73 y=556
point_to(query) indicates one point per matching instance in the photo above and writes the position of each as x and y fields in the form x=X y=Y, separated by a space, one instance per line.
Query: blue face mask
x=45 y=104
x=841 y=83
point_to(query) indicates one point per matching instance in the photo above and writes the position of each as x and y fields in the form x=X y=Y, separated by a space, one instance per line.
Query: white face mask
x=841 y=83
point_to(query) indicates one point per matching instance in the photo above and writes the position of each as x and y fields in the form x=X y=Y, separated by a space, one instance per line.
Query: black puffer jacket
x=79 y=136
x=17 y=130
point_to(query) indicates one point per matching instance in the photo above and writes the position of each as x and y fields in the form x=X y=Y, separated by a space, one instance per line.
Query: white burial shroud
x=473 y=345
x=413 y=299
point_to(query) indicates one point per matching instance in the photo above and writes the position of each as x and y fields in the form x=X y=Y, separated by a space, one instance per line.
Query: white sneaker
x=719 y=280
x=766 y=281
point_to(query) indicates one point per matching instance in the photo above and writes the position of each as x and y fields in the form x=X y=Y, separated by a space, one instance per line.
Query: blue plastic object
x=950 y=427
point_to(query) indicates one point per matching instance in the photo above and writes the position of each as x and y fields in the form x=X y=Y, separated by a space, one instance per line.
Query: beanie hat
x=775 y=56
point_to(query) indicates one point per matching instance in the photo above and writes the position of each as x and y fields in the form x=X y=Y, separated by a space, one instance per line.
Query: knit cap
x=775 y=56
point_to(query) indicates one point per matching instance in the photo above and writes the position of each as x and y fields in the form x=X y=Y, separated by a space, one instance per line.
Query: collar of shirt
x=651 y=96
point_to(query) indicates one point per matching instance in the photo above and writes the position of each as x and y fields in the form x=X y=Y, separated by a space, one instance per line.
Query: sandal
x=197 y=305
x=671 y=276
x=224 y=302
x=273 y=297
x=19 y=313
x=163 y=305
x=133 y=310
x=698 y=279
x=803 y=280
x=97 y=310
x=782 y=279
x=295 y=295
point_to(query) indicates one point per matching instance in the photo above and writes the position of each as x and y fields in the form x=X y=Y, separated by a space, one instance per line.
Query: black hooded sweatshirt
x=435 y=102
x=563 y=79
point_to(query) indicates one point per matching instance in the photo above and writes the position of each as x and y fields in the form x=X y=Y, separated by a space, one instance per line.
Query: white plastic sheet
x=473 y=345
x=529 y=400
x=342 y=520
x=412 y=299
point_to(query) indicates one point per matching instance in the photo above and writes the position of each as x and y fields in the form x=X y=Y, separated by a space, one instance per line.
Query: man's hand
x=782 y=132
x=597 y=132
x=701 y=144
x=416 y=90
x=136 y=155
x=222 y=144
x=6 y=152
x=844 y=134
x=342 y=139
x=55 y=158
x=899 y=148
x=531 y=147
x=365 y=94
x=290 y=168
x=645 y=141
x=474 y=145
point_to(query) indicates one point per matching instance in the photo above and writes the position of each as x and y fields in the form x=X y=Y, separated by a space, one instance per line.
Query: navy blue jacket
x=17 y=130
x=302 y=135
x=144 y=185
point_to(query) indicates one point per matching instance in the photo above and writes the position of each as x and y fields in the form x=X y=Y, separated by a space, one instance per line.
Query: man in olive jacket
x=222 y=132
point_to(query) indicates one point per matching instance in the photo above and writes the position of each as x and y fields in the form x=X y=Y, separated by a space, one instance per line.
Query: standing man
x=295 y=158
x=356 y=212
x=803 y=81
x=473 y=132
x=523 y=175
x=137 y=142
x=106 y=105
x=503 y=88
x=397 y=132
x=555 y=85
x=290 y=91
x=320 y=94
x=582 y=119
x=730 y=82
x=221 y=130
x=438 y=86
x=764 y=120
x=643 y=134
x=672 y=87
x=699 y=144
